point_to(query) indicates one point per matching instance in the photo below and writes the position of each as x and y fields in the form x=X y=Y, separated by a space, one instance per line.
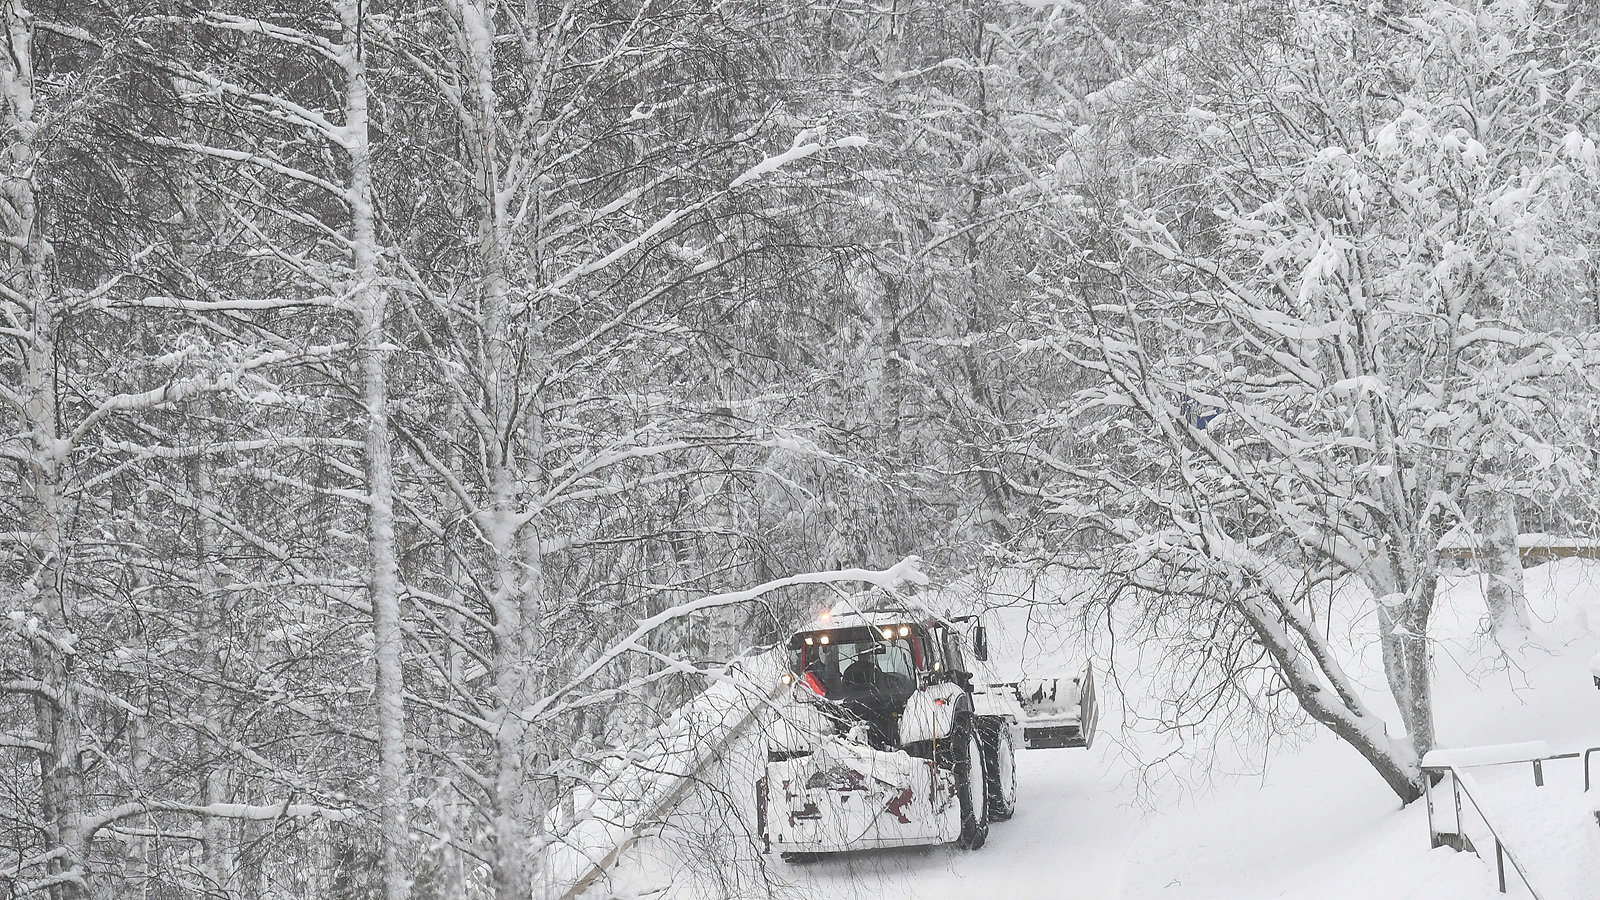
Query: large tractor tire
x=970 y=789
x=999 y=768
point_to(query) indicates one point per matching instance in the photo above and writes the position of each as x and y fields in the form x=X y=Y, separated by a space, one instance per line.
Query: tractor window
x=937 y=639
x=896 y=658
x=954 y=659
x=858 y=661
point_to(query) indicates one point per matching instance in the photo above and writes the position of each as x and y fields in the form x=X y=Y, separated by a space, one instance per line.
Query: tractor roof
x=875 y=607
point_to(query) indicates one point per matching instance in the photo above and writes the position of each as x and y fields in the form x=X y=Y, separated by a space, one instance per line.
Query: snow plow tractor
x=885 y=738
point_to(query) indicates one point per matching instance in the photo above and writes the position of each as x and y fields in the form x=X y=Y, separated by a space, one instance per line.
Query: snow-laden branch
x=239 y=811
x=23 y=742
x=236 y=304
x=908 y=570
x=71 y=875
x=253 y=159
x=801 y=148
x=216 y=448
x=259 y=27
x=36 y=688
x=191 y=387
x=283 y=109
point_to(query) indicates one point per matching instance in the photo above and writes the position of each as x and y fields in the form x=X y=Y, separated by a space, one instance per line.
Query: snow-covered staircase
x=1528 y=812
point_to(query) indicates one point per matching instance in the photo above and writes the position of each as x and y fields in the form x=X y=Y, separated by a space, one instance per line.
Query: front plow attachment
x=1058 y=711
x=848 y=797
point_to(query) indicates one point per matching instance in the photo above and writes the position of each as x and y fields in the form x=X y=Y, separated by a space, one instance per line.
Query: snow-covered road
x=1319 y=825
x=1068 y=838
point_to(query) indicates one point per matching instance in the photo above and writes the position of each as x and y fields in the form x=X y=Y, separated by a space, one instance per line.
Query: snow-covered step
x=1552 y=829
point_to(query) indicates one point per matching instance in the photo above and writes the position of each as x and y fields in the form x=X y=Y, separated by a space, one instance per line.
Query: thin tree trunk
x=211 y=625
x=384 y=580
x=891 y=409
x=514 y=544
x=1407 y=662
x=30 y=295
x=1394 y=762
x=1501 y=563
x=1308 y=666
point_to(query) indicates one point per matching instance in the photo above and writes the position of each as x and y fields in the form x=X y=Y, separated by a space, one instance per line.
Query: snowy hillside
x=1317 y=824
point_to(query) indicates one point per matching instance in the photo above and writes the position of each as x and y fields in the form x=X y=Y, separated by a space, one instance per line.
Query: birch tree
x=569 y=284
x=35 y=445
x=91 y=426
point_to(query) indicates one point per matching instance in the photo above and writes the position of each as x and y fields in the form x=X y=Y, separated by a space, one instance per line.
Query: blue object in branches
x=1197 y=413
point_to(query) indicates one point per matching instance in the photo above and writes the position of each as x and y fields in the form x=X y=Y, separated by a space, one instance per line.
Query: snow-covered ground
x=1317 y=823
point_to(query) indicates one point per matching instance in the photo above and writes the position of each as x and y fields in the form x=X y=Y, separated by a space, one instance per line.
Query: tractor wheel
x=970 y=789
x=999 y=770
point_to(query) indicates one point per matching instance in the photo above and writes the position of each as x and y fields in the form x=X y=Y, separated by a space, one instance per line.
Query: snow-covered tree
x=579 y=286
x=138 y=667
x=1330 y=301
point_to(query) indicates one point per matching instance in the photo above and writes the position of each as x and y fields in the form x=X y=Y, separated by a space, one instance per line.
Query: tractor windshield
x=858 y=663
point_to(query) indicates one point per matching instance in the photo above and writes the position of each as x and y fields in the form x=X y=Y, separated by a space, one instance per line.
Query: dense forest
x=371 y=370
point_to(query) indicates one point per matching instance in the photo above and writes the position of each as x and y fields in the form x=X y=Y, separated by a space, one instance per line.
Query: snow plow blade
x=848 y=797
x=1058 y=711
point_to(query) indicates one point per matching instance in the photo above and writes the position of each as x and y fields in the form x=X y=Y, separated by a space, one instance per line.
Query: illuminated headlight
x=888 y=633
x=787 y=678
x=809 y=642
x=824 y=639
x=905 y=630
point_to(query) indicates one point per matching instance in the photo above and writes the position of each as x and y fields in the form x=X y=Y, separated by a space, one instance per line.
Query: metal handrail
x=1460 y=781
x=1538 y=765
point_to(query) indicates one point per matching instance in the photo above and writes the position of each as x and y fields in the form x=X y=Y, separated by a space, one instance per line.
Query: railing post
x=1443 y=832
x=1432 y=830
x=1455 y=791
x=1500 y=864
x=1538 y=773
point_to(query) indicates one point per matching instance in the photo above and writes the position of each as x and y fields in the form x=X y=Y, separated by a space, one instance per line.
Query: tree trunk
x=59 y=723
x=1501 y=563
x=1394 y=762
x=1407 y=661
x=891 y=409
x=211 y=624
x=31 y=299
x=1309 y=666
x=384 y=580
x=509 y=427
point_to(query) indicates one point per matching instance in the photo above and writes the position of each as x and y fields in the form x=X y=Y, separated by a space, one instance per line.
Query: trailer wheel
x=970 y=784
x=1000 y=769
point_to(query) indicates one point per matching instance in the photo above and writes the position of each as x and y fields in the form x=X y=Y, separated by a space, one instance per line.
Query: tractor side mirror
x=980 y=643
